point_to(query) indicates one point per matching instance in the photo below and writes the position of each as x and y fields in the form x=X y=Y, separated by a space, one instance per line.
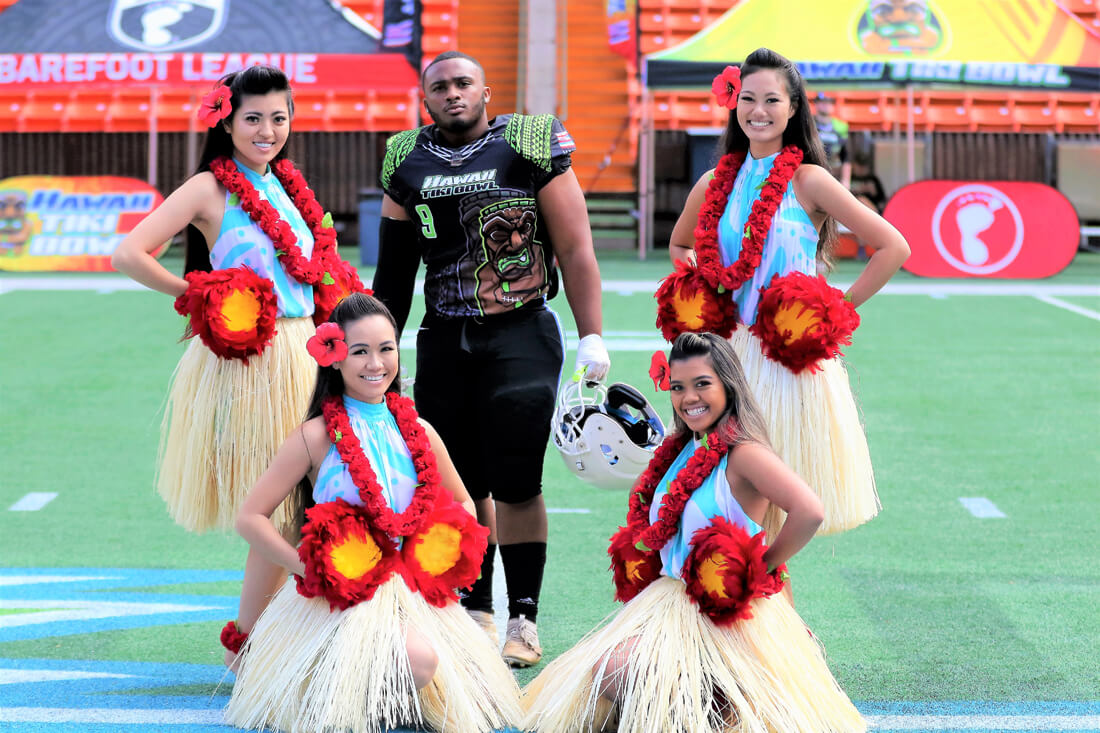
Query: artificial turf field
x=933 y=618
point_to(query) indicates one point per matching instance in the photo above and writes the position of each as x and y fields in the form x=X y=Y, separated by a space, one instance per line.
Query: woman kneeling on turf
x=368 y=635
x=705 y=642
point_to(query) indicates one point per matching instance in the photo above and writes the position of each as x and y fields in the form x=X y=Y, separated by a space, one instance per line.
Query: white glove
x=592 y=358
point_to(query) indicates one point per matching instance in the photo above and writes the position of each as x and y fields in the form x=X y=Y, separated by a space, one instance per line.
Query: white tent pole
x=645 y=175
x=910 y=152
x=153 y=98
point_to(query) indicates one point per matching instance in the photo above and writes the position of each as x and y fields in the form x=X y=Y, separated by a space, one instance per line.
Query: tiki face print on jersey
x=485 y=249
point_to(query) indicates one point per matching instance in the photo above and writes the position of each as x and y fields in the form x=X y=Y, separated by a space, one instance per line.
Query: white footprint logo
x=972 y=220
x=158 y=18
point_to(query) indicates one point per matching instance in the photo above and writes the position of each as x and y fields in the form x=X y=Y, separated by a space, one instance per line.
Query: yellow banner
x=68 y=223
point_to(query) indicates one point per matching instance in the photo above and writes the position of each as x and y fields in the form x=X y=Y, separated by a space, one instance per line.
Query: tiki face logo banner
x=166 y=25
x=69 y=223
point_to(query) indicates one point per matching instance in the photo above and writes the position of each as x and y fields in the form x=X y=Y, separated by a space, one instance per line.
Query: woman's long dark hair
x=801 y=129
x=330 y=383
x=258 y=80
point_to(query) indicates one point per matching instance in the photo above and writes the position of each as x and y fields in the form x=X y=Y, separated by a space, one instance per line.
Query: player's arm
x=191 y=203
x=398 y=261
x=818 y=191
x=291 y=464
x=448 y=474
x=681 y=245
x=772 y=479
x=563 y=209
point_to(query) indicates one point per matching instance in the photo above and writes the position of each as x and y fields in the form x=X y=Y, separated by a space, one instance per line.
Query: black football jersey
x=485 y=247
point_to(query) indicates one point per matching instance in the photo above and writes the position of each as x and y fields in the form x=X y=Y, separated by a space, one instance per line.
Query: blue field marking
x=51 y=602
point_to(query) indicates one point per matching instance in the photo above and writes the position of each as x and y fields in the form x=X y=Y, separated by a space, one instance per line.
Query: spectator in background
x=865 y=185
x=834 y=136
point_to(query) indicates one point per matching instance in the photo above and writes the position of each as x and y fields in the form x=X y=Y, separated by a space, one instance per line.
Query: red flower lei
x=309 y=272
x=652 y=537
x=370 y=491
x=756 y=228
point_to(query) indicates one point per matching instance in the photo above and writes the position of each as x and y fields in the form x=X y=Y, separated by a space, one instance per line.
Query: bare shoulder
x=749 y=455
x=811 y=174
x=427 y=427
x=316 y=434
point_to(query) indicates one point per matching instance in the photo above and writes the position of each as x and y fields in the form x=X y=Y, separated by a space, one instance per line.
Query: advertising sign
x=68 y=223
x=1003 y=229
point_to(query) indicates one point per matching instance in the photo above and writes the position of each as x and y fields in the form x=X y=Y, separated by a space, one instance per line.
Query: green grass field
x=990 y=396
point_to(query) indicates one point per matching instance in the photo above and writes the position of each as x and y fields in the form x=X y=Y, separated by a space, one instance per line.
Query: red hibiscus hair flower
x=215 y=105
x=659 y=370
x=725 y=571
x=346 y=558
x=327 y=346
x=802 y=320
x=232 y=311
x=445 y=553
x=726 y=86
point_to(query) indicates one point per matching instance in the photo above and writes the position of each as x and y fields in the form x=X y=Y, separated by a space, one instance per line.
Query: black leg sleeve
x=398 y=261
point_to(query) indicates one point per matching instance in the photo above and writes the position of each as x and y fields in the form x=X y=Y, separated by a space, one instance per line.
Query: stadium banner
x=69 y=223
x=1017 y=44
x=401 y=29
x=73 y=71
x=622 y=28
x=1001 y=229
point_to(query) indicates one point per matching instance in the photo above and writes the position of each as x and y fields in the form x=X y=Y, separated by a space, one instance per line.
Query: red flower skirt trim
x=233 y=638
x=725 y=571
x=445 y=553
x=686 y=302
x=232 y=311
x=802 y=320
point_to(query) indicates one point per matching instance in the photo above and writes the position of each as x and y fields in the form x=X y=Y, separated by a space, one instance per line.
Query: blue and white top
x=242 y=242
x=712 y=499
x=383 y=446
x=792 y=238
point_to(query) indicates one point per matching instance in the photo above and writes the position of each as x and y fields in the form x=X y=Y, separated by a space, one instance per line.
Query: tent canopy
x=1020 y=44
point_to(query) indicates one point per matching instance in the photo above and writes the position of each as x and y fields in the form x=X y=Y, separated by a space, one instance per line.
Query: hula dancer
x=747 y=249
x=261 y=269
x=705 y=642
x=369 y=635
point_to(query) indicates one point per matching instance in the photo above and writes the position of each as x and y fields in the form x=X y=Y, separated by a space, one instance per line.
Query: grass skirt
x=815 y=428
x=678 y=671
x=224 y=421
x=307 y=669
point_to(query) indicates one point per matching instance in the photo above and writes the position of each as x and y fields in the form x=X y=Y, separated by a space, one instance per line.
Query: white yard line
x=1058 y=303
x=111 y=715
x=984 y=722
x=981 y=507
x=33 y=501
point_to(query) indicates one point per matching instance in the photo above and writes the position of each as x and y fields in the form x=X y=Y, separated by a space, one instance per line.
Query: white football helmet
x=608 y=436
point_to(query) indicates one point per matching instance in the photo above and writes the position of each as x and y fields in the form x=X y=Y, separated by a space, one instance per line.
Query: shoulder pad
x=398 y=147
x=530 y=136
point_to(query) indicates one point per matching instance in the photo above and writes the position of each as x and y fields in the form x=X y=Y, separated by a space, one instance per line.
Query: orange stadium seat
x=129 y=111
x=346 y=111
x=445 y=19
x=863 y=110
x=11 y=106
x=1080 y=6
x=309 y=110
x=87 y=111
x=1035 y=113
x=1079 y=114
x=176 y=109
x=897 y=113
x=992 y=112
x=390 y=111
x=43 y=111
x=947 y=118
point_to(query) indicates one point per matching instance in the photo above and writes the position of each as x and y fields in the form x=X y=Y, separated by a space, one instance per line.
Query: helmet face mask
x=605 y=437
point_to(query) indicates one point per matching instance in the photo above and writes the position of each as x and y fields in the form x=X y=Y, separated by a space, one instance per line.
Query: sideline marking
x=33 y=501
x=567 y=511
x=1058 y=303
x=981 y=507
x=110 y=715
x=984 y=722
x=23 y=676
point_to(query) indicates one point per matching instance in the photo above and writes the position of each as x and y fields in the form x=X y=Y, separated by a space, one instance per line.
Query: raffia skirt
x=677 y=671
x=307 y=669
x=815 y=427
x=224 y=421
